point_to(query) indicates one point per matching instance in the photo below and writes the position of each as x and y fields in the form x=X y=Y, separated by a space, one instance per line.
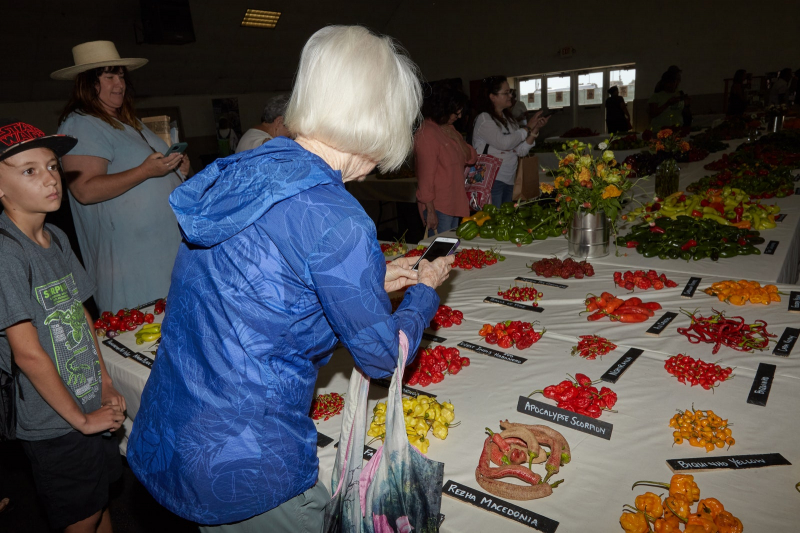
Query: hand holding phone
x=440 y=247
x=177 y=148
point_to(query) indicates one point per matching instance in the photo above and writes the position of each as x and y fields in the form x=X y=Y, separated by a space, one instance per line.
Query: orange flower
x=685 y=146
x=659 y=146
x=546 y=188
x=585 y=174
x=611 y=192
x=663 y=134
x=567 y=160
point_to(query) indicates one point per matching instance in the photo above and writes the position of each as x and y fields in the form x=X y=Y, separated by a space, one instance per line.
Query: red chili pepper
x=696 y=213
x=656 y=229
x=500 y=441
x=691 y=243
x=632 y=244
x=583 y=380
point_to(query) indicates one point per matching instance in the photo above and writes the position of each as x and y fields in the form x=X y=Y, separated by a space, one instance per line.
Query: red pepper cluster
x=581 y=396
x=470 y=258
x=432 y=364
x=590 y=346
x=632 y=310
x=550 y=267
x=641 y=280
x=416 y=252
x=732 y=332
x=521 y=294
x=325 y=406
x=696 y=371
x=446 y=317
x=511 y=333
x=125 y=320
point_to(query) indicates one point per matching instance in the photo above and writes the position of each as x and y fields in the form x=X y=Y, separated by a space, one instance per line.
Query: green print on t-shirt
x=72 y=340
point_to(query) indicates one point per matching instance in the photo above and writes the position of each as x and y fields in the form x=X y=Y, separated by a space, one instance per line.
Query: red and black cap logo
x=17 y=136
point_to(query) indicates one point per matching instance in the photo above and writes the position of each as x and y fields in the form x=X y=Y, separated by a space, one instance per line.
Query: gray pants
x=301 y=514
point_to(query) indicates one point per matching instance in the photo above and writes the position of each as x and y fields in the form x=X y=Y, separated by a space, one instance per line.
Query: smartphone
x=177 y=148
x=440 y=247
x=549 y=112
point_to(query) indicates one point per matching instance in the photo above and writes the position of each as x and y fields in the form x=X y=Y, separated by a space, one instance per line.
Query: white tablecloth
x=598 y=479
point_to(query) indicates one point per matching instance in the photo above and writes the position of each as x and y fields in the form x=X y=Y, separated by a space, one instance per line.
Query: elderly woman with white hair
x=279 y=263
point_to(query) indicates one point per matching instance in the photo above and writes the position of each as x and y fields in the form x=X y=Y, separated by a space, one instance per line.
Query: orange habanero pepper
x=728 y=523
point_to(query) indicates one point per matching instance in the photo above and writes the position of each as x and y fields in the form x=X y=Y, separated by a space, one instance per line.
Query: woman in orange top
x=441 y=155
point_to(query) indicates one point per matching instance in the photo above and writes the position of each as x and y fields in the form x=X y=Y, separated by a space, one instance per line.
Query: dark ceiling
x=225 y=59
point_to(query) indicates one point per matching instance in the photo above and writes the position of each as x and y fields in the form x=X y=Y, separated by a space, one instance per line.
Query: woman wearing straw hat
x=119 y=181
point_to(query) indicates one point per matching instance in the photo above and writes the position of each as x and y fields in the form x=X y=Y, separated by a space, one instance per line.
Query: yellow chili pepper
x=727 y=523
x=634 y=523
x=650 y=503
x=677 y=505
x=667 y=525
x=710 y=506
x=704 y=522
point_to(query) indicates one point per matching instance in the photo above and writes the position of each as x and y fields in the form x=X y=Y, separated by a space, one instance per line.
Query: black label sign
x=408 y=391
x=493 y=504
x=323 y=440
x=771 y=247
x=491 y=353
x=619 y=368
x=762 y=383
x=541 y=282
x=433 y=338
x=515 y=305
x=786 y=342
x=779 y=218
x=731 y=462
x=142 y=359
x=369 y=451
x=662 y=323
x=691 y=287
x=119 y=348
x=565 y=418
x=148 y=304
x=794 y=301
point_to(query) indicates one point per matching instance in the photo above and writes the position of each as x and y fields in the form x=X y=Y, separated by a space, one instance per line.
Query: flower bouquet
x=586 y=185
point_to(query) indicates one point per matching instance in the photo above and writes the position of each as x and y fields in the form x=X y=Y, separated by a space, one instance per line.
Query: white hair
x=357 y=92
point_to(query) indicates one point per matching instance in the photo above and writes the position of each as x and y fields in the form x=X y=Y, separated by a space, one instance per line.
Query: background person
x=441 y=155
x=779 y=92
x=617 y=117
x=496 y=127
x=119 y=181
x=666 y=106
x=737 y=99
x=271 y=125
x=280 y=264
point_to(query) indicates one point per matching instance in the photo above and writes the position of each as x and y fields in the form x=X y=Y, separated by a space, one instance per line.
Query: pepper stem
x=556 y=483
x=671 y=510
x=535 y=392
x=653 y=483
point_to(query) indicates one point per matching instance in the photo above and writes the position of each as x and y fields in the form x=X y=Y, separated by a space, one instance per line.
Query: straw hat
x=96 y=54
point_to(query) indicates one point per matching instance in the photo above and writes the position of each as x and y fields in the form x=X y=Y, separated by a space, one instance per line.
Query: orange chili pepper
x=703 y=521
x=728 y=523
x=650 y=503
x=667 y=525
x=679 y=506
x=634 y=523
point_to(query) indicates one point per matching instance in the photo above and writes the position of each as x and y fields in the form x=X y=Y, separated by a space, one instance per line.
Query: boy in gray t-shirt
x=65 y=399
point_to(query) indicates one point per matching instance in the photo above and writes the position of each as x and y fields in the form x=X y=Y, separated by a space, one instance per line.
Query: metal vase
x=775 y=123
x=588 y=235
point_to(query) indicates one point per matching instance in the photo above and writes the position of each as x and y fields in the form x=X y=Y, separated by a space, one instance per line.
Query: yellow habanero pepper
x=667 y=525
x=728 y=523
x=650 y=503
x=710 y=506
x=702 y=521
x=677 y=505
x=634 y=523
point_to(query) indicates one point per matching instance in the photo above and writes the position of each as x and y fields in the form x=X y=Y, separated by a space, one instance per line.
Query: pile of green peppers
x=520 y=225
x=690 y=238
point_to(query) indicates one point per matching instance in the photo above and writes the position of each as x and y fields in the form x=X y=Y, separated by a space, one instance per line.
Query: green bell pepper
x=487 y=232
x=502 y=233
x=490 y=209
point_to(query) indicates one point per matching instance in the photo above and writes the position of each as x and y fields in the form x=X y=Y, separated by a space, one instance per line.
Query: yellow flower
x=566 y=161
x=585 y=160
x=585 y=174
x=559 y=181
x=608 y=155
x=664 y=133
x=546 y=188
x=611 y=192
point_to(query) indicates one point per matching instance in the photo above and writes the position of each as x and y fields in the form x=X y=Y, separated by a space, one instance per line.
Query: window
x=558 y=91
x=625 y=80
x=590 y=89
x=530 y=93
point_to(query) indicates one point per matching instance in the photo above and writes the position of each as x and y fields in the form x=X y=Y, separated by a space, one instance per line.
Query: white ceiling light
x=255 y=18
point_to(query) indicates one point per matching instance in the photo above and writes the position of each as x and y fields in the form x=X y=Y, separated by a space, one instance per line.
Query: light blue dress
x=128 y=243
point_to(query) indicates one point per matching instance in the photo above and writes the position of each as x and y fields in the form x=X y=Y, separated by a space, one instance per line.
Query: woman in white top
x=496 y=127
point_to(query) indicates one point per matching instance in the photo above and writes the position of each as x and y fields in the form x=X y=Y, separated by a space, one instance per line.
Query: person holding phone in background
x=666 y=106
x=495 y=127
x=119 y=180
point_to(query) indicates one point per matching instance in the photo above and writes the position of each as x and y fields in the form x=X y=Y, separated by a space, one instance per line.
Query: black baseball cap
x=17 y=136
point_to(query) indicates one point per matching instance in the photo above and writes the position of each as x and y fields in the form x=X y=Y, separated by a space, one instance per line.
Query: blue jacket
x=278 y=263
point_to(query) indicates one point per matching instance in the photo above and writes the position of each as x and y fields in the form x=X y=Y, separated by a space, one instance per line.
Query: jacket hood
x=232 y=193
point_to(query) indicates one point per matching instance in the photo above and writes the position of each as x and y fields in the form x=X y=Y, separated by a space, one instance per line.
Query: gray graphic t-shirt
x=47 y=286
